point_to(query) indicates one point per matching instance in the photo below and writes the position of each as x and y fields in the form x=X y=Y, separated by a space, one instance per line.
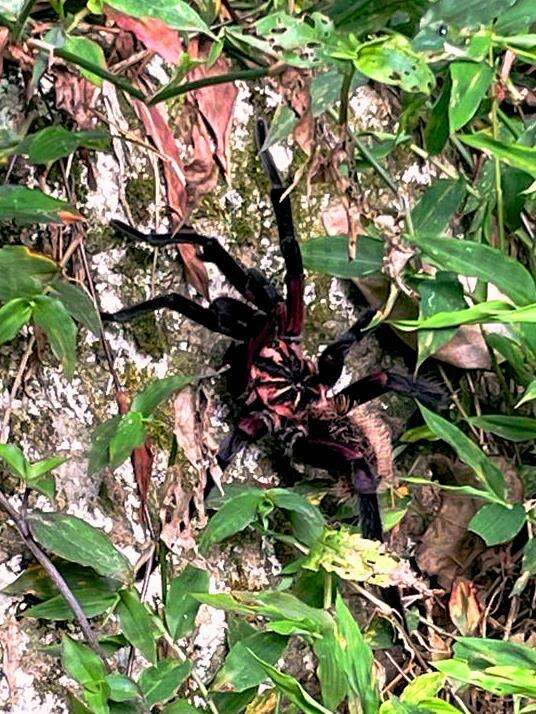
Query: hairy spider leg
x=290 y=248
x=331 y=361
x=423 y=390
x=249 y=282
x=225 y=315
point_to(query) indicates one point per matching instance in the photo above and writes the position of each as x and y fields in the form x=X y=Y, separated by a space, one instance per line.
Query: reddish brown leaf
x=76 y=96
x=156 y=122
x=464 y=607
x=4 y=36
x=153 y=33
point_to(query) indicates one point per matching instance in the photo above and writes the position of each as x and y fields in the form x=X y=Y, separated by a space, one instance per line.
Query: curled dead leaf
x=464 y=607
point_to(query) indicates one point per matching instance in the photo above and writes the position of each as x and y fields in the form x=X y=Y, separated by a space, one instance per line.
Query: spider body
x=281 y=392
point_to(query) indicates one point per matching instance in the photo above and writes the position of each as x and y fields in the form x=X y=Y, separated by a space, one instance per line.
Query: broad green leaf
x=234 y=516
x=326 y=90
x=99 y=451
x=122 y=688
x=92 y=601
x=283 y=124
x=498 y=524
x=137 y=624
x=12 y=455
x=52 y=317
x=509 y=680
x=181 y=706
x=240 y=671
x=178 y=14
x=513 y=428
x=76 y=706
x=160 y=683
x=13 y=316
x=442 y=294
x=38 y=475
x=157 y=392
x=438 y=205
x=73 y=539
x=530 y=394
x=24 y=273
x=78 y=304
x=329 y=255
x=470 y=84
x=333 y=682
x=81 y=663
x=436 y=131
x=89 y=50
x=131 y=432
x=482 y=652
x=392 y=60
x=488 y=474
x=423 y=687
x=516 y=155
x=29 y=205
x=35 y=580
x=181 y=607
x=479 y=261
x=357 y=659
x=292 y=689
x=307 y=520
x=55 y=142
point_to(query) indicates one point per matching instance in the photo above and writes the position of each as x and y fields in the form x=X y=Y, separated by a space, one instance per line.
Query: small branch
x=15 y=388
x=244 y=74
x=21 y=524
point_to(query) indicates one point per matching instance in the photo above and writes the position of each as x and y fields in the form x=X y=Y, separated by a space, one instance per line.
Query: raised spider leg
x=331 y=361
x=225 y=315
x=379 y=383
x=290 y=248
x=250 y=283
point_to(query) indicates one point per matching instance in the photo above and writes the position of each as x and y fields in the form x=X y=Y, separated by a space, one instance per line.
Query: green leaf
x=178 y=14
x=529 y=557
x=75 y=540
x=512 y=428
x=492 y=311
x=24 y=273
x=137 y=624
x=160 y=390
x=283 y=124
x=122 y=688
x=436 y=131
x=357 y=659
x=333 y=682
x=99 y=452
x=443 y=293
x=516 y=155
x=292 y=689
x=326 y=90
x=13 y=316
x=181 y=607
x=29 y=205
x=530 y=394
x=39 y=478
x=470 y=84
x=240 y=671
x=131 y=432
x=181 y=706
x=12 y=455
x=498 y=524
x=52 y=317
x=55 y=142
x=89 y=50
x=481 y=653
x=438 y=205
x=422 y=687
x=234 y=516
x=78 y=304
x=81 y=663
x=39 y=468
x=391 y=60
x=488 y=474
x=92 y=601
x=479 y=261
x=307 y=520
x=329 y=255
x=161 y=682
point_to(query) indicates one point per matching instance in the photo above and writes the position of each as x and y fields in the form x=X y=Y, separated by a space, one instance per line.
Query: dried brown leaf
x=76 y=96
x=464 y=607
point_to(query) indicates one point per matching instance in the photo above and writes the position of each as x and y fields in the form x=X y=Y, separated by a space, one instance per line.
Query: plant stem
x=21 y=19
x=243 y=74
x=498 y=179
x=21 y=524
x=101 y=72
x=345 y=95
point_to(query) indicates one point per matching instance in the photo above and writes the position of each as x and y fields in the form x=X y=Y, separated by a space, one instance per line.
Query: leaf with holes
x=52 y=317
x=29 y=205
x=73 y=539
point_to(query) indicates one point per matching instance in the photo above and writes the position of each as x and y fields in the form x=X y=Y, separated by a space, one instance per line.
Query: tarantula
x=282 y=392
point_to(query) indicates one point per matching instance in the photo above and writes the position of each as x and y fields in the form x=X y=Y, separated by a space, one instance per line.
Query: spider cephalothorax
x=283 y=393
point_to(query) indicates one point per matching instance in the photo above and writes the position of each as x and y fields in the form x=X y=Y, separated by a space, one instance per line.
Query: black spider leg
x=250 y=283
x=225 y=315
x=331 y=361
x=290 y=248
x=424 y=390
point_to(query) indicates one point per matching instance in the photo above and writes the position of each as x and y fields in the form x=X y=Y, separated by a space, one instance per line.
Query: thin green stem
x=498 y=179
x=328 y=590
x=243 y=74
x=345 y=95
x=21 y=18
